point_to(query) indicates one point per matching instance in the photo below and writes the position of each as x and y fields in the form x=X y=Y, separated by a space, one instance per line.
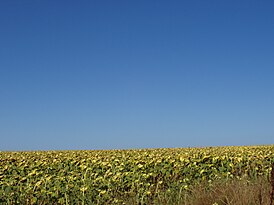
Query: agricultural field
x=145 y=176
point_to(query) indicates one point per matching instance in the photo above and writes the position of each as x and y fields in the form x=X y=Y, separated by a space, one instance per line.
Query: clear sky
x=96 y=74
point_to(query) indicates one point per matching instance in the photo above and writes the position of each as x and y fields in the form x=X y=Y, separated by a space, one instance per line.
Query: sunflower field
x=114 y=176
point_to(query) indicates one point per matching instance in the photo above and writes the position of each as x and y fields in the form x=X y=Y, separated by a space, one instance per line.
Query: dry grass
x=272 y=185
x=233 y=192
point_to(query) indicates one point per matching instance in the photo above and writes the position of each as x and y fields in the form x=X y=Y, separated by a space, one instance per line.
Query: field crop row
x=110 y=177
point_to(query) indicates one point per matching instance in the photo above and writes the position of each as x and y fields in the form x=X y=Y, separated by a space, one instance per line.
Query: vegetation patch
x=146 y=176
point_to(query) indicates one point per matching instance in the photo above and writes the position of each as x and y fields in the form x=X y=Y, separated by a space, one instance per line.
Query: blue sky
x=136 y=74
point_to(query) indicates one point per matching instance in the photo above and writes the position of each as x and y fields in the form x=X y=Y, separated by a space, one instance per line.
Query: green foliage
x=110 y=177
